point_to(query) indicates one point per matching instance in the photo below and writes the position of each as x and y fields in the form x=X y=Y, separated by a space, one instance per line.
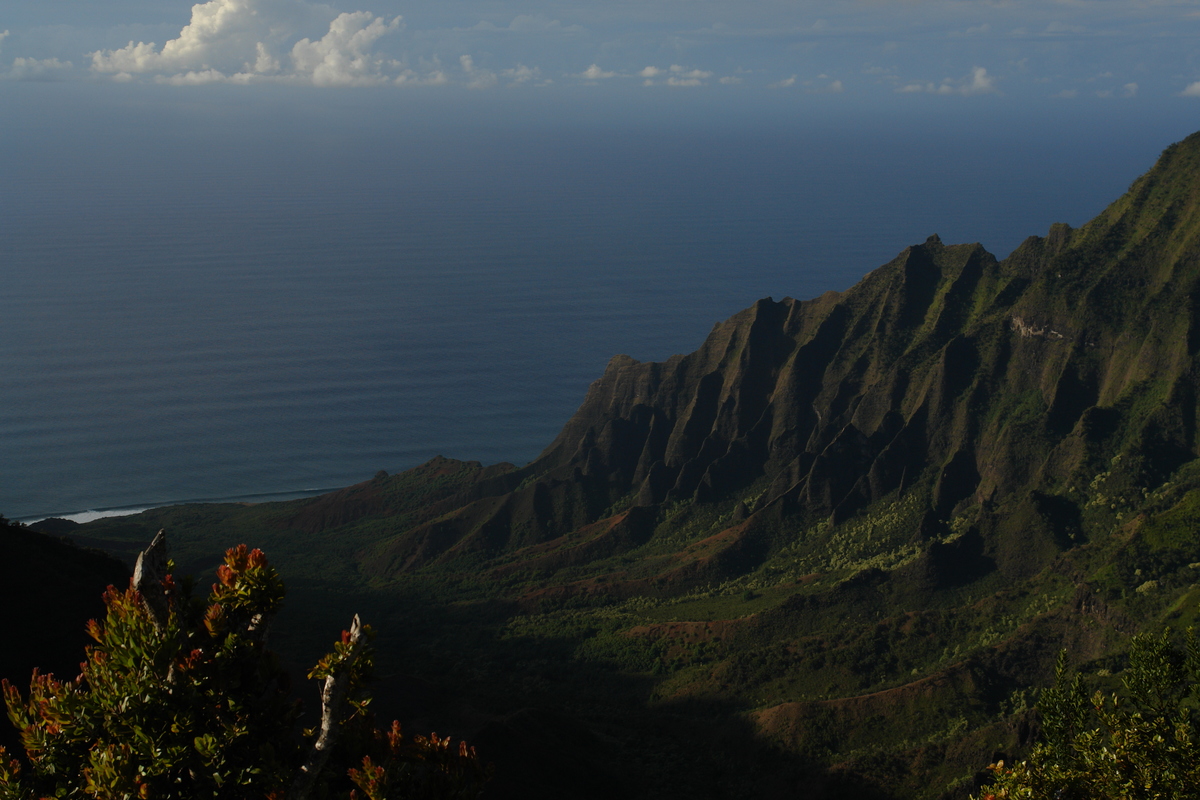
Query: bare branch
x=333 y=707
x=148 y=576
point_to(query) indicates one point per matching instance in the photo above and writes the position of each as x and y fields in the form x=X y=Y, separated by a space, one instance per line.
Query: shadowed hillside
x=851 y=533
x=49 y=589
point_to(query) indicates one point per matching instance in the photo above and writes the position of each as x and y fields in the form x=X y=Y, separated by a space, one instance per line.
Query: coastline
x=88 y=515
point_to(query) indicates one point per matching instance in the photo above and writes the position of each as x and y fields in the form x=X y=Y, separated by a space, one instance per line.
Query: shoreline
x=88 y=515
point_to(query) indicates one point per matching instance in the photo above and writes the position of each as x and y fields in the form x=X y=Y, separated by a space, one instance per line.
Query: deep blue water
x=215 y=313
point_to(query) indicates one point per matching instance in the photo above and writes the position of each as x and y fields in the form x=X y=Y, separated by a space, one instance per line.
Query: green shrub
x=1140 y=744
x=181 y=699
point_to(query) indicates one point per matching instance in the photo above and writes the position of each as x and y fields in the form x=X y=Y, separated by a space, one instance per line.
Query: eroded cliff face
x=833 y=398
x=972 y=381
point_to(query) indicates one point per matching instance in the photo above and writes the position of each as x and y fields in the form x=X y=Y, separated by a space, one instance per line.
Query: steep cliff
x=973 y=382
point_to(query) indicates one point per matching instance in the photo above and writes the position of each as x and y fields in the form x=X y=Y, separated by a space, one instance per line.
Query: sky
x=776 y=51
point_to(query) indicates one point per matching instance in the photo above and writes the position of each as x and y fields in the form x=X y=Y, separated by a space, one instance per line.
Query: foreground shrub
x=181 y=699
x=1140 y=743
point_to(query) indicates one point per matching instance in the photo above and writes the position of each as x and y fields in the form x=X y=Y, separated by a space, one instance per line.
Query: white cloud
x=1191 y=90
x=978 y=82
x=981 y=83
x=476 y=78
x=677 y=75
x=682 y=76
x=594 y=73
x=408 y=77
x=194 y=78
x=836 y=87
x=430 y=74
x=522 y=74
x=3 y=36
x=342 y=57
x=32 y=69
x=729 y=80
x=783 y=84
x=1067 y=94
x=216 y=28
x=227 y=40
x=264 y=62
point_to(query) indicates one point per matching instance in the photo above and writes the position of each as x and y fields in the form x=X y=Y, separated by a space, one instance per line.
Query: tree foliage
x=1142 y=743
x=181 y=698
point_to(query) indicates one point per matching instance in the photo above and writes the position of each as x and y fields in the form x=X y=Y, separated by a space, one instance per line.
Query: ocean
x=238 y=308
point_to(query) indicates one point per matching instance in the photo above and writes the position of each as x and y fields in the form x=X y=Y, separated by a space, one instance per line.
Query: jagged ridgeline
x=849 y=533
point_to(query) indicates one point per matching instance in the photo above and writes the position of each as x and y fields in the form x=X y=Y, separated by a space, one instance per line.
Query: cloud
x=227 y=41
x=264 y=62
x=3 y=36
x=435 y=77
x=342 y=57
x=729 y=80
x=216 y=28
x=676 y=76
x=836 y=87
x=1130 y=89
x=594 y=73
x=783 y=84
x=194 y=78
x=978 y=82
x=981 y=83
x=882 y=74
x=523 y=74
x=32 y=69
x=527 y=23
x=1191 y=90
x=476 y=78
x=1067 y=94
x=681 y=76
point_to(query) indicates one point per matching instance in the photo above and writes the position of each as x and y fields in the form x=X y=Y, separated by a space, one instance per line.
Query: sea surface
x=237 y=309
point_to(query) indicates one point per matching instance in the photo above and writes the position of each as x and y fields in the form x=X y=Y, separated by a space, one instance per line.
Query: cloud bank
x=239 y=41
x=978 y=82
x=1028 y=47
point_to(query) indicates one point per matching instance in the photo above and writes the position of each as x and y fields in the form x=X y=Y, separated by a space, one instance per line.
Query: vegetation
x=180 y=698
x=1140 y=743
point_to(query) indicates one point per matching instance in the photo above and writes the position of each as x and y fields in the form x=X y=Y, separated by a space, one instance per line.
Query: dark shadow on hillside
x=49 y=589
x=559 y=727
